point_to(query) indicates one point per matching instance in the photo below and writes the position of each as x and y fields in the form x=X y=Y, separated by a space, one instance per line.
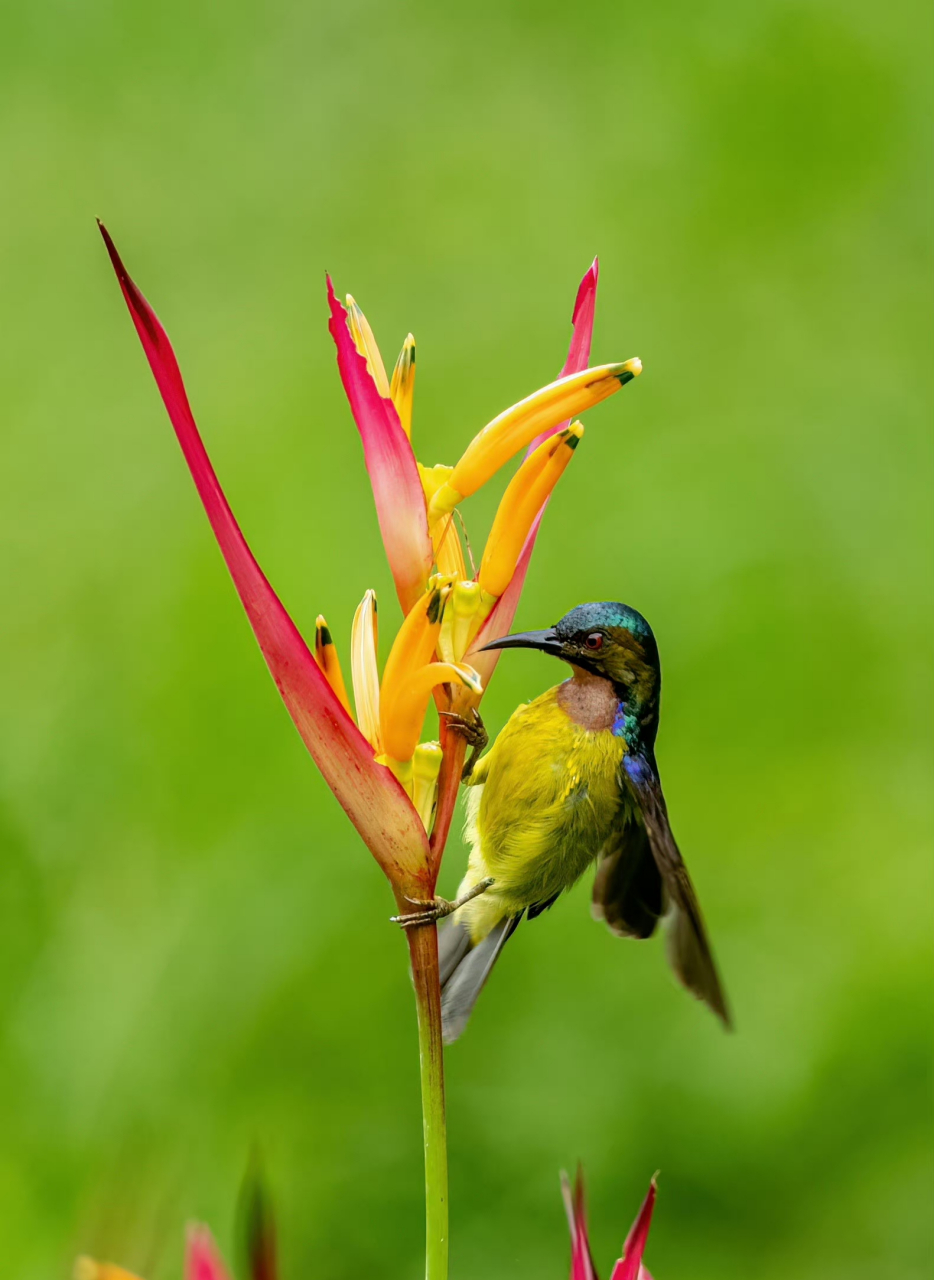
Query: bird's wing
x=689 y=951
x=627 y=890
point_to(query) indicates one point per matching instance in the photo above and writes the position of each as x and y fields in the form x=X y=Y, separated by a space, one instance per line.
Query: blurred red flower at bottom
x=629 y=1266
x=203 y=1260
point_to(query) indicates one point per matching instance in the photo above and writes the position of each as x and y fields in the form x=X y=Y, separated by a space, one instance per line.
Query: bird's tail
x=465 y=967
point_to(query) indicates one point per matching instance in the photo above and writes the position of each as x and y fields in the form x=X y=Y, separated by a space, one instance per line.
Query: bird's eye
x=594 y=641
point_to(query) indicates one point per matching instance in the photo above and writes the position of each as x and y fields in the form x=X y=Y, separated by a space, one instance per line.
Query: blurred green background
x=194 y=947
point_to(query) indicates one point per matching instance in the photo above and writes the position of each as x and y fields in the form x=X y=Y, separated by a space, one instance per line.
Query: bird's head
x=608 y=639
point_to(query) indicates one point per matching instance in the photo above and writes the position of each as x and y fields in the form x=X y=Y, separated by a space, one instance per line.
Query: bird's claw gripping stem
x=437 y=908
x=472 y=729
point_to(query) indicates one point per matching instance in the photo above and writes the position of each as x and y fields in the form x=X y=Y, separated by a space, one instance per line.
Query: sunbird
x=571 y=780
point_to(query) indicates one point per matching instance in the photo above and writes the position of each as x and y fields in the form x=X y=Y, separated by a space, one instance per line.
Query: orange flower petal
x=404 y=711
x=525 y=495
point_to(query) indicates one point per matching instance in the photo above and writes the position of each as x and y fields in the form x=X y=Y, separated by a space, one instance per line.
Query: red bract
x=582 y=318
x=371 y=796
x=390 y=462
x=629 y=1266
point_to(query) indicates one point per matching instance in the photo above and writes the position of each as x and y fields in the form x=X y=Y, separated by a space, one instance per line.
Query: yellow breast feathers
x=543 y=801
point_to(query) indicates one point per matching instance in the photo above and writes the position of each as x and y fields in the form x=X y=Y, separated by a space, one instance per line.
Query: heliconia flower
x=630 y=1265
x=389 y=782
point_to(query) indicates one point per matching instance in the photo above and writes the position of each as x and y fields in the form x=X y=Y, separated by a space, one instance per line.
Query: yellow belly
x=549 y=797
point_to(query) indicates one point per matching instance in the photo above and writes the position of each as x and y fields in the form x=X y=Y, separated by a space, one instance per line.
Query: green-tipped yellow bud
x=402 y=387
x=365 y=343
x=517 y=427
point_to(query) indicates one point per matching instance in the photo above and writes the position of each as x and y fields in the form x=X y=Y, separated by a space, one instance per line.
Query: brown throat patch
x=589 y=700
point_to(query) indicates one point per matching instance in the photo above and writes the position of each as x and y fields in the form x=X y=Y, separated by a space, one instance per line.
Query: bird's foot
x=472 y=729
x=437 y=908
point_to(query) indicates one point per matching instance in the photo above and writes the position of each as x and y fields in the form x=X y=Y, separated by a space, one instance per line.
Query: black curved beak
x=544 y=641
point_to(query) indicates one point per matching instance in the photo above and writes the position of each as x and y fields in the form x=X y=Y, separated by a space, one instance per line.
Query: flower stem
x=423 y=948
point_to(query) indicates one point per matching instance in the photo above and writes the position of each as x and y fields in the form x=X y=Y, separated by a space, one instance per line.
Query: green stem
x=423 y=948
